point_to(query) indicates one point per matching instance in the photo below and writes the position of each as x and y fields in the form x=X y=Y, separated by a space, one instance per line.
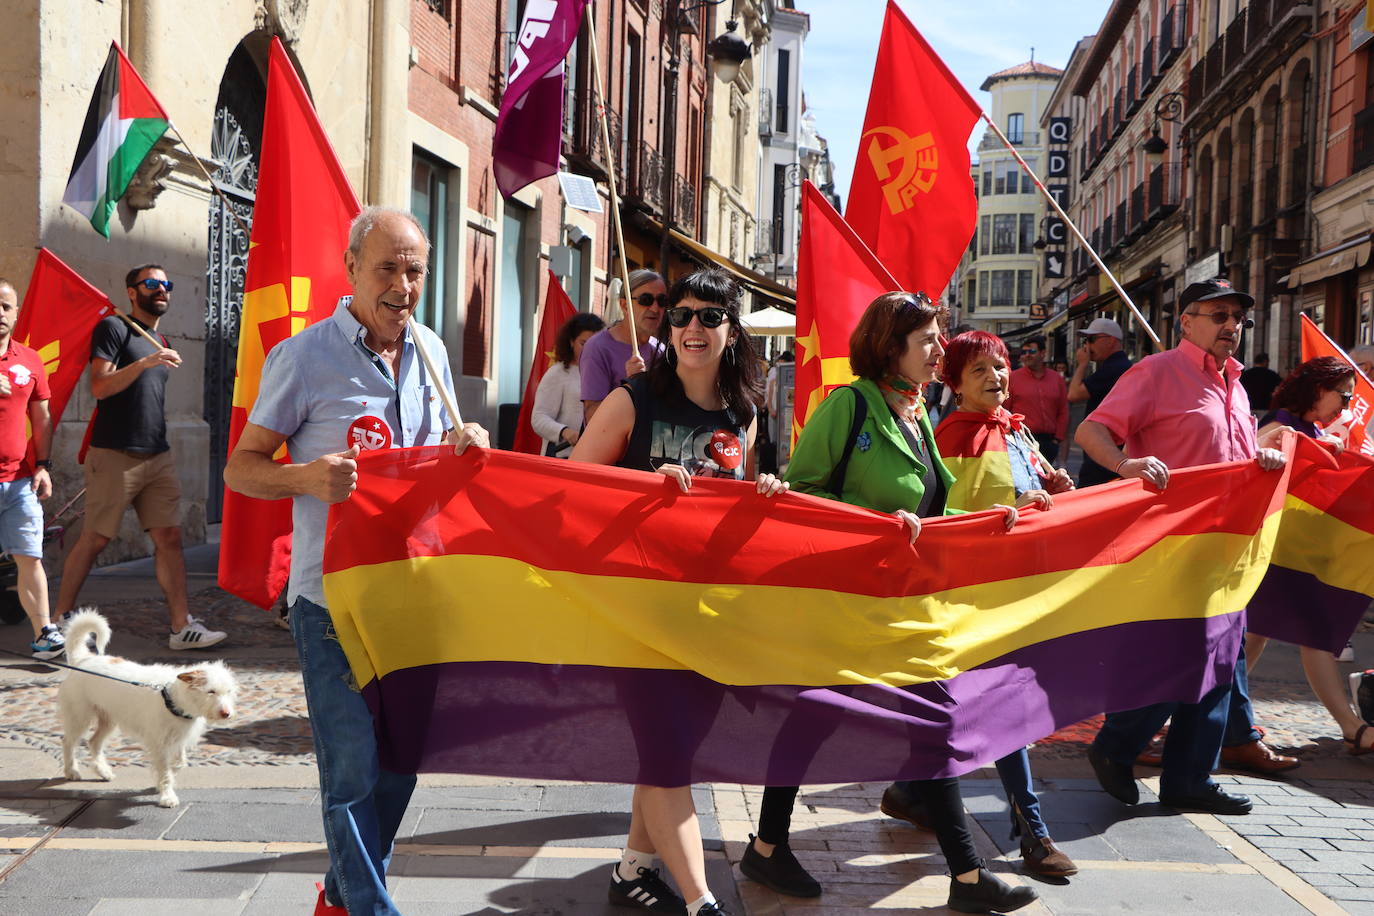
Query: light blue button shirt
x=325 y=391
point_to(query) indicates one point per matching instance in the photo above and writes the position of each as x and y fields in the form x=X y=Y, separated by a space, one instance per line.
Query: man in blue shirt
x=352 y=382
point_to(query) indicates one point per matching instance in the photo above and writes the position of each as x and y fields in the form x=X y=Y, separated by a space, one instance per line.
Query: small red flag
x=1358 y=418
x=837 y=277
x=558 y=308
x=296 y=275
x=911 y=199
x=59 y=313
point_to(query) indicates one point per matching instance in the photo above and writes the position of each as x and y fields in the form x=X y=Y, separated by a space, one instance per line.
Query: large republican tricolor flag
x=295 y=276
x=123 y=122
x=529 y=127
x=558 y=308
x=1359 y=416
x=911 y=199
x=837 y=277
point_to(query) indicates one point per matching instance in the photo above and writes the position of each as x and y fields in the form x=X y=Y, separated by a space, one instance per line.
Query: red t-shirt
x=28 y=382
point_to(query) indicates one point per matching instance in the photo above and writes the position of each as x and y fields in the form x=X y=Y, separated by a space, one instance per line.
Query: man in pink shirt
x=1041 y=395
x=1178 y=409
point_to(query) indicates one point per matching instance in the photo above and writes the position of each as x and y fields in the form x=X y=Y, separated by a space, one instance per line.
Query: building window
x=741 y=144
x=1003 y=288
x=982 y=289
x=969 y=299
x=987 y=182
x=1024 y=280
x=985 y=234
x=1027 y=186
x=1004 y=233
x=1027 y=233
x=784 y=88
x=429 y=204
x=1016 y=127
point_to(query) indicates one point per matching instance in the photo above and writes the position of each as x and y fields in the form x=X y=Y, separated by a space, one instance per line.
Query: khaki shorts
x=115 y=480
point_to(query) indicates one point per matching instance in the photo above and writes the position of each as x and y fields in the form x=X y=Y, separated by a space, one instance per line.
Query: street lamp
x=728 y=52
x=1169 y=108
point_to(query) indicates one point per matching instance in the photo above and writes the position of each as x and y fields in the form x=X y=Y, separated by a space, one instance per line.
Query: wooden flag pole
x=139 y=329
x=1116 y=285
x=610 y=183
x=247 y=233
x=447 y=396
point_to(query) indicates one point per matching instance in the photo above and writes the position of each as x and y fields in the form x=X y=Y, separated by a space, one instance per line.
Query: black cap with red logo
x=1215 y=288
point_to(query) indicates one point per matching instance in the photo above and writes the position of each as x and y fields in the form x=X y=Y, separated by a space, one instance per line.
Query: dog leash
x=166 y=696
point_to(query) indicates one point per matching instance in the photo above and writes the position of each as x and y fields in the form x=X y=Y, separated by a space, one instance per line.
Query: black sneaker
x=780 y=872
x=900 y=802
x=1362 y=694
x=647 y=892
x=713 y=909
x=990 y=895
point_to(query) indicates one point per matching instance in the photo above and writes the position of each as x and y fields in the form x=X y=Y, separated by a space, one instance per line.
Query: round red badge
x=724 y=449
x=369 y=433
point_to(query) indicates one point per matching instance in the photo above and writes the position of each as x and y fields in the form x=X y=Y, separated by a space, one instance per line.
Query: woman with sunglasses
x=1312 y=397
x=870 y=444
x=557 y=412
x=995 y=459
x=690 y=415
x=608 y=358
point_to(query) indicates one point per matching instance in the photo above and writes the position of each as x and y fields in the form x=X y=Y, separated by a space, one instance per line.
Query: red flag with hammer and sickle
x=911 y=199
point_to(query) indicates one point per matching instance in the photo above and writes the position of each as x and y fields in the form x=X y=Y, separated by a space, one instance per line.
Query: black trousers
x=943 y=803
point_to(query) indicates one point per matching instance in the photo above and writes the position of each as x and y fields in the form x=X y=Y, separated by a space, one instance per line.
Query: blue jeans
x=363 y=804
x=1240 y=718
x=1190 y=751
x=1016 y=782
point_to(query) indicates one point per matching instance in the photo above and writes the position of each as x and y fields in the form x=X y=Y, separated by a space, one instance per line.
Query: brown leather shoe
x=1042 y=857
x=1256 y=757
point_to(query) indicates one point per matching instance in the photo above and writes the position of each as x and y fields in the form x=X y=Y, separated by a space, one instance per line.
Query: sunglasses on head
x=1221 y=315
x=151 y=284
x=710 y=317
x=647 y=299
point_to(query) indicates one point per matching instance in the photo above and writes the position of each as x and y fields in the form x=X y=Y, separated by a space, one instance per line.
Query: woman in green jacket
x=870 y=444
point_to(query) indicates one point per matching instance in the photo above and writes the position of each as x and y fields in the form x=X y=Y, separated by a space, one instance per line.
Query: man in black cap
x=1182 y=408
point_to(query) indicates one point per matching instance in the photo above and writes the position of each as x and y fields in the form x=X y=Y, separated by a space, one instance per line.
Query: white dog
x=165 y=709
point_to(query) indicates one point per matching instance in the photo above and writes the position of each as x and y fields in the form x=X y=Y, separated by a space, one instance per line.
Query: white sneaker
x=195 y=636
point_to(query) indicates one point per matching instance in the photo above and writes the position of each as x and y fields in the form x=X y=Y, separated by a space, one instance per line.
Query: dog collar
x=171 y=706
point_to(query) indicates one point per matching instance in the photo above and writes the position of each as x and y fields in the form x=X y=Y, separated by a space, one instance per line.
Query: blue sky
x=975 y=38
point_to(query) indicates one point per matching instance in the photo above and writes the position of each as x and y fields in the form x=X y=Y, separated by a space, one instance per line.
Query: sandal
x=1355 y=748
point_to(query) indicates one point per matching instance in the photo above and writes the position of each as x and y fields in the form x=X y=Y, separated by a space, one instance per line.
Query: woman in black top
x=691 y=415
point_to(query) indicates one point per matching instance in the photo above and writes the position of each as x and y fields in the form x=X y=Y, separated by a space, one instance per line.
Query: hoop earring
x=730 y=356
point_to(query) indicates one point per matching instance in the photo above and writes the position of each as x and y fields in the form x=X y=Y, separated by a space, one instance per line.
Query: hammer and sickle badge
x=905 y=165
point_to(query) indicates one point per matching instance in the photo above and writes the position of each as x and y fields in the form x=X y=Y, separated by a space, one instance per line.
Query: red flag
x=295 y=276
x=1359 y=416
x=837 y=277
x=911 y=199
x=558 y=308
x=59 y=313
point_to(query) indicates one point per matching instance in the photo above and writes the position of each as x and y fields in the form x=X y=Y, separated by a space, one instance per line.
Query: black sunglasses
x=710 y=317
x=647 y=299
x=151 y=284
x=1220 y=316
x=1346 y=397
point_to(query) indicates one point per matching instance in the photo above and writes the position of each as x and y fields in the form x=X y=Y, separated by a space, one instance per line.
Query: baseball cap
x=1103 y=326
x=1215 y=288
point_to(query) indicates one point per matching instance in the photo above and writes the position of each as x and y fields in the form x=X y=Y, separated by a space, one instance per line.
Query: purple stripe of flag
x=626 y=725
x=1298 y=608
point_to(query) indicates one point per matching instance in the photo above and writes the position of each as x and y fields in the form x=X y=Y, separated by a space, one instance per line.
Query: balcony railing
x=1133 y=98
x=686 y=194
x=1107 y=235
x=1197 y=85
x=1214 y=64
x=1235 y=41
x=1364 y=138
x=1252 y=28
x=1172 y=35
x=1137 y=217
x=596 y=150
x=645 y=178
x=1165 y=192
x=1148 y=73
x=1122 y=222
x=1258 y=24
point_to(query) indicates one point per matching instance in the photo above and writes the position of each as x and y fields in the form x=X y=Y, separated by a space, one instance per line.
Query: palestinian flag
x=122 y=124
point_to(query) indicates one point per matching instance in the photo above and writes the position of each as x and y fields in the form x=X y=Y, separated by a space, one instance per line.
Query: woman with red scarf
x=994 y=459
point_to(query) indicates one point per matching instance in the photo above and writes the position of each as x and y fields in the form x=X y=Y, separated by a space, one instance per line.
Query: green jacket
x=883 y=474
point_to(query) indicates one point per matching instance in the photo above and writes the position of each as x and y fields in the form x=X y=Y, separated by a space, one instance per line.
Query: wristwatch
x=44 y=463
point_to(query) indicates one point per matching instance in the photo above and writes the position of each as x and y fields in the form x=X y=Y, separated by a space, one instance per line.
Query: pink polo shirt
x=1176 y=407
x=1044 y=401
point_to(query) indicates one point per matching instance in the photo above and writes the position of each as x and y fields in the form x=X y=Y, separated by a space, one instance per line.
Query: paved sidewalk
x=246 y=839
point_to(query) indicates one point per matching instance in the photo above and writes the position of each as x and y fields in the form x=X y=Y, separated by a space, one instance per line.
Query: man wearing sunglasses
x=130 y=461
x=1177 y=409
x=607 y=358
x=1102 y=341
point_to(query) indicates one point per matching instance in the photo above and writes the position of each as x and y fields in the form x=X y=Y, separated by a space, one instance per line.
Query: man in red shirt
x=1042 y=397
x=24 y=397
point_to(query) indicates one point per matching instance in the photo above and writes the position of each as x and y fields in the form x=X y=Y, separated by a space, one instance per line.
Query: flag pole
x=447 y=396
x=610 y=182
x=229 y=205
x=138 y=328
x=1116 y=285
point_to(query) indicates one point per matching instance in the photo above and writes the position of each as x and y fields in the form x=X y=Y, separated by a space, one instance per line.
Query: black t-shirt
x=674 y=430
x=1259 y=383
x=1099 y=384
x=135 y=419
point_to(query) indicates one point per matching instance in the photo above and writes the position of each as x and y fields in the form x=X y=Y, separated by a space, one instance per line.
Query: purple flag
x=530 y=125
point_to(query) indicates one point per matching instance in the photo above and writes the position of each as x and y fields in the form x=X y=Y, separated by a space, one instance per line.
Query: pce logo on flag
x=917 y=160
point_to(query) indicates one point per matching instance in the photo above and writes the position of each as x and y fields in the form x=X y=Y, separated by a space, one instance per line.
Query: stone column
x=388 y=154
